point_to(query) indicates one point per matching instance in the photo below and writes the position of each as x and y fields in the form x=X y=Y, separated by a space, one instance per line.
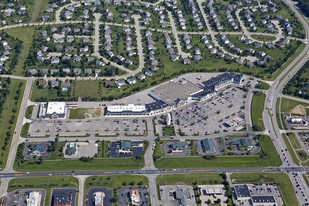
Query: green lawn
x=278 y=113
x=95 y=164
x=115 y=181
x=39 y=6
x=282 y=179
x=294 y=141
x=24 y=34
x=263 y=85
x=268 y=149
x=29 y=111
x=8 y=118
x=288 y=104
x=274 y=75
x=306 y=179
x=189 y=179
x=25 y=130
x=257 y=108
x=168 y=131
x=263 y=38
x=46 y=183
x=82 y=113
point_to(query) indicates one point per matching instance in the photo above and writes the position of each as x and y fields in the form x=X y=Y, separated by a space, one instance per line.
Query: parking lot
x=107 y=200
x=19 y=197
x=100 y=126
x=124 y=196
x=209 y=116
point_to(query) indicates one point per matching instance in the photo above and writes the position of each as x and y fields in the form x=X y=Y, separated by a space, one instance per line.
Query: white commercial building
x=34 y=199
x=52 y=110
x=129 y=109
x=98 y=198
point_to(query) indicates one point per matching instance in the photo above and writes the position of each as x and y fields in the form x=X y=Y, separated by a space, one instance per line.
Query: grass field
x=287 y=106
x=114 y=182
x=257 y=107
x=263 y=85
x=189 y=179
x=39 y=6
x=7 y=114
x=24 y=34
x=290 y=149
x=46 y=183
x=95 y=164
x=168 y=131
x=294 y=141
x=278 y=113
x=286 y=64
x=306 y=179
x=268 y=148
x=24 y=130
x=82 y=113
x=281 y=179
x=29 y=111
x=263 y=38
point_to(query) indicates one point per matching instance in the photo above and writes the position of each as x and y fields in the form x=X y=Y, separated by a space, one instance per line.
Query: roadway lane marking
x=200 y=170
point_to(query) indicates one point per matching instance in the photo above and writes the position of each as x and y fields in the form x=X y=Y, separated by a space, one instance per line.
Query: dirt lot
x=82 y=113
x=299 y=110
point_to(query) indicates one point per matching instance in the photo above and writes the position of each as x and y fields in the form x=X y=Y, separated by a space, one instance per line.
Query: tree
x=218 y=200
x=208 y=201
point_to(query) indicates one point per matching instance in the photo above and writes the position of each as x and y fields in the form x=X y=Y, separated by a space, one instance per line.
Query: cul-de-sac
x=154 y=102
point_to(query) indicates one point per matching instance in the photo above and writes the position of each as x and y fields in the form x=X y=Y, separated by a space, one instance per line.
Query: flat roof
x=172 y=91
x=263 y=199
x=208 y=144
x=55 y=108
x=242 y=191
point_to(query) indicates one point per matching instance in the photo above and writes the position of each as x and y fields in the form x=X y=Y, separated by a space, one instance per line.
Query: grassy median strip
x=294 y=141
x=290 y=149
x=269 y=158
x=257 y=107
x=278 y=102
x=281 y=179
x=46 y=183
x=29 y=111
